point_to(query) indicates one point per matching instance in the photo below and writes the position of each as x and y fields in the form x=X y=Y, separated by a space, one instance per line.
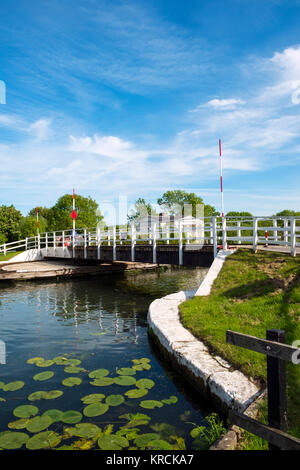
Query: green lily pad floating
x=1 y=385
x=98 y=373
x=13 y=386
x=33 y=360
x=71 y=381
x=52 y=394
x=151 y=404
x=103 y=381
x=92 y=398
x=74 y=370
x=25 y=411
x=44 y=363
x=73 y=362
x=112 y=442
x=145 y=383
x=159 y=444
x=115 y=400
x=136 y=393
x=71 y=417
x=143 y=360
x=54 y=414
x=138 y=367
x=135 y=419
x=37 y=395
x=144 y=439
x=39 y=423
x=95 y=409
x=84 y=430
x=170 y=401
x=43 y=440
x=2 y=399
x=98 y=334
x=13 y=440
x=126 y=371
x=60 y=360
x=125 y=380
x=43 y=375
x=18 y=424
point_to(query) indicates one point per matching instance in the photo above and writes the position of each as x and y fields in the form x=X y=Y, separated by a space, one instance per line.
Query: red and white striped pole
x=37 y=220
x=221 y=178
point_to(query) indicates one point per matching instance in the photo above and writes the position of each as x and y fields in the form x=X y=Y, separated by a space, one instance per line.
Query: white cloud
x=220 y=104
x=40 y=129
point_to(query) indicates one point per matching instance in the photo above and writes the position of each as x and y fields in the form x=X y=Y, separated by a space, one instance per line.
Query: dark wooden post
x=276 y=382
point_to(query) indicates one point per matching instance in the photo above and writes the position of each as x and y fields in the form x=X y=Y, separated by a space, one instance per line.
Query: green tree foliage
x=59 y=217
x=174 y=201
x=141 y=209
x=28 y=226
x=10 y=219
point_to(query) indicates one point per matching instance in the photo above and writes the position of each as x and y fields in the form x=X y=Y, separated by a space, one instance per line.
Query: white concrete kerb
x=231 y=387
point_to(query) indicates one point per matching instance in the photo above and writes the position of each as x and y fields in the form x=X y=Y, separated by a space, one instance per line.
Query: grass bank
x=253 y=293
x=9 y=255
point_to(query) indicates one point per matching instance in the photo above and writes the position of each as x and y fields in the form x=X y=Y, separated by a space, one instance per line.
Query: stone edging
x=211 y=375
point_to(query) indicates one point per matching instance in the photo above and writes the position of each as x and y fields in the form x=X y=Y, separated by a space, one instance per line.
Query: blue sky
x=129 y=98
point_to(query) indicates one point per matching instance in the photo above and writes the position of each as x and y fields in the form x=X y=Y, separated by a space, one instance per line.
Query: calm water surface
x=103 y=322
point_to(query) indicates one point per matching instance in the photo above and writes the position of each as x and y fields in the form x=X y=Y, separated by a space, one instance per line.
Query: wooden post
x=293 y=236
x=4 y=249
x=154 y=243
x=255 y=234
x=54 y=243
x=276 y=383
x=84 y=243
x=215 y=237
x=63 y=243
x=168 y=234
x=114 y=244
x=180 y=244
x=98 y=243
x=26 y=243
x=275 y=233
x=132 y=241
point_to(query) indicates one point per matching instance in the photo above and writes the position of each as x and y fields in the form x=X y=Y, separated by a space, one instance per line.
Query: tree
x=28 y=226
x=174 y=202
x=141 y=209
x=10 y=219
x=59 y=217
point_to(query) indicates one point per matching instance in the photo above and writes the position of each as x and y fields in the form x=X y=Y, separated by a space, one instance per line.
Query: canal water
x=71 y=328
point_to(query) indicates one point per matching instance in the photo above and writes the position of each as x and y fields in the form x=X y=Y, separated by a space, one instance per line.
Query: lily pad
x=126 y=371
x=103 y=381
x=13 y=386
x=71 y=381
x=151 y=404
x=73 y=362
x=18 y=424
x=44 y=363
x=112 y=442
x=54 y=414
x=60 y=360
x=98 y=373
x=13 y=440
x=144 y=439
x=145 y=383
x=135 y=419
x=52 y=394
x=92 y=398
x=95 y=409
x=37 y=395
x=85 y=430
x=74 y=370
x=43 y=375
x=43 y=440
x=39 y=423
x=115 y=400
x=33 y=360
x=170 y=401
x=136 y=393
x=71 y=417
x=125 y=380
x=25 y=411
x=159 y=444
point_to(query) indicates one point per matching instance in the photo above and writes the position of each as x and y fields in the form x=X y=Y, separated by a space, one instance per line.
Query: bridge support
x=133 y=239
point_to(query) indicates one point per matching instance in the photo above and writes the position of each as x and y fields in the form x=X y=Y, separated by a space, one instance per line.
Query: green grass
x=9 y=255
x=253 y=292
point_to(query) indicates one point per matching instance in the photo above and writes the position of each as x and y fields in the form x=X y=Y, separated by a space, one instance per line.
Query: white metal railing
x=281 y=231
